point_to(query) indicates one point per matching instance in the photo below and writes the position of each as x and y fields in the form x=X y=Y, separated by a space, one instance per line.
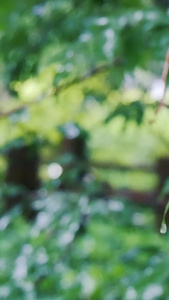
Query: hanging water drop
x=163 y=228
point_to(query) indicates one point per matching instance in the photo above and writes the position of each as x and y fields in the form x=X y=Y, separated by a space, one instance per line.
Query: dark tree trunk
x=22 y=173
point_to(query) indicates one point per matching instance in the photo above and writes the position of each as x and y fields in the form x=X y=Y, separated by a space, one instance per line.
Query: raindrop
x=163 y=228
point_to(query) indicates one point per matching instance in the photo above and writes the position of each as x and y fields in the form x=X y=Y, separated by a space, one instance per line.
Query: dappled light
x=54 y=170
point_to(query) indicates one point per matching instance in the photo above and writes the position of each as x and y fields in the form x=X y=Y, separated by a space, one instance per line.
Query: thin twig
x=91 y=73
x=164 y=79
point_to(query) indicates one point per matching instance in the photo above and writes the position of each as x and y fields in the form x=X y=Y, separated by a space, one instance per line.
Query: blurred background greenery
x=84 y=172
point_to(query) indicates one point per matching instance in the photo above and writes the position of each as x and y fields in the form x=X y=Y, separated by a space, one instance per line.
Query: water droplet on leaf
x=163 y=228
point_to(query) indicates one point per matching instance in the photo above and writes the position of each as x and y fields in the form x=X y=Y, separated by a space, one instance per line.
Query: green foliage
x=61 y=30
x=78 y=65
x=63 y=40
x=118 y=256
x=132 y=112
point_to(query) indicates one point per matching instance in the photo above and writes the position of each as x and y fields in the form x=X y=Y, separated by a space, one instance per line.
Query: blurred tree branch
x=56 y=90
